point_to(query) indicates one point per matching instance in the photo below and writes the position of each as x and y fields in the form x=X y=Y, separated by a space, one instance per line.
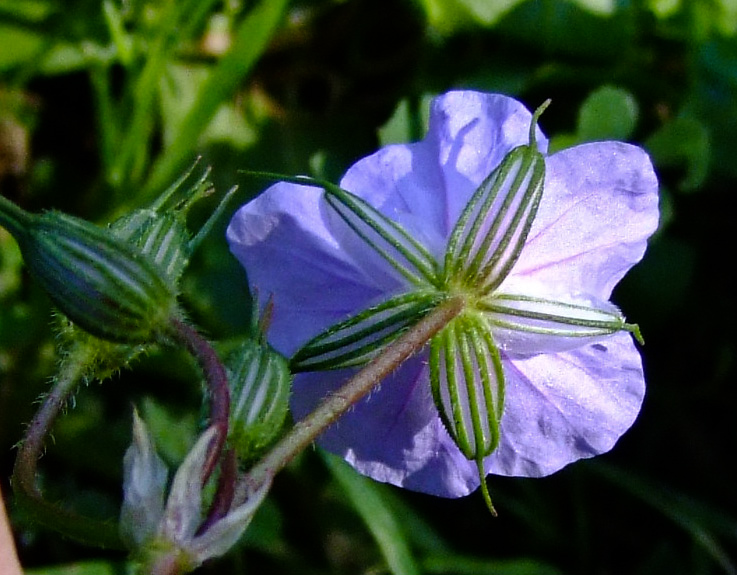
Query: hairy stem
x=337 y=403
x=217 y=386
x=27 y=493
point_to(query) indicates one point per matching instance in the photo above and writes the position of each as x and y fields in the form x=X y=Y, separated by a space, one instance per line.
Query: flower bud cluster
x=117 y=283
x=116 y=288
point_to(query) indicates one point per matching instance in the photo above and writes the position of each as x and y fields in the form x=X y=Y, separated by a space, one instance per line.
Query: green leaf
x=449 y=16
x=82 y=568
x=685 y=140
x=26 y=45
x=384 y=525
x=609 y=113
x=175 y=22
x=249 y=42
x=179 y=88
x=452 y=564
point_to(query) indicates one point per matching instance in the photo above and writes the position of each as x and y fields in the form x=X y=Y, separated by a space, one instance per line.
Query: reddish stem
x=217 y=386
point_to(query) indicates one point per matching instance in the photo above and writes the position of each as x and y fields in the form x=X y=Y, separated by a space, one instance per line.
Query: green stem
x=27 y=493
x=14 y=219
x=337 y=403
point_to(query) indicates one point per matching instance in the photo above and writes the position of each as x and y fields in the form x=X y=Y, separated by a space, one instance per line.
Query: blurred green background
x=104 y=103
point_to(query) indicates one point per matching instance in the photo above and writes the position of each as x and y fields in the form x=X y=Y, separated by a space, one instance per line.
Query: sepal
x=493 y=227
x=358 y=339
x=387 y=238
x=467 y=383
x=144 y=482
x=175 y=533
x=529 y=324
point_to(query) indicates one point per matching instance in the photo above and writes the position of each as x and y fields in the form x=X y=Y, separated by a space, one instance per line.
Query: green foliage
x=103 y=103
x=81 y=568
x=607 y=114
x=378 y=517
x=683 y=143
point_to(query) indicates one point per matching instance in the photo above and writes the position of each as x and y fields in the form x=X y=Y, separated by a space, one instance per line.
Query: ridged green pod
x=259 y=390
x=162 y=237
x=104 y=285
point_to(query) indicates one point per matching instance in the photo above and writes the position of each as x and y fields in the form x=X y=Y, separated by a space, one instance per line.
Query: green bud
x=160 y=231
x=105 y=286
x=162 y=238
x=120 y=283
x=259 y=388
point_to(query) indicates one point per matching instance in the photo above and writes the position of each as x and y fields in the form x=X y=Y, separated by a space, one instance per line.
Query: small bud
x=162 y=237
x=160 y=231
x=103 y=285
x=120 y=283
x=173 y=534
x=259 y=385
x=143 y=487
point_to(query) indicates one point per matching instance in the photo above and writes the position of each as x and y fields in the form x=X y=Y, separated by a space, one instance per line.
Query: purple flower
x=559 y=357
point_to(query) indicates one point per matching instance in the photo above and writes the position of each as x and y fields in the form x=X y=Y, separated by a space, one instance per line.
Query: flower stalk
x=216 y=381
x=116 y=288
x=29 y=496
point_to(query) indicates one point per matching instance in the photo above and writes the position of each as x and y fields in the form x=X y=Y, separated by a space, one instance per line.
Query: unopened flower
x=538 y=371
x=259 y=388
x=170 y=535
x=119 y=283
